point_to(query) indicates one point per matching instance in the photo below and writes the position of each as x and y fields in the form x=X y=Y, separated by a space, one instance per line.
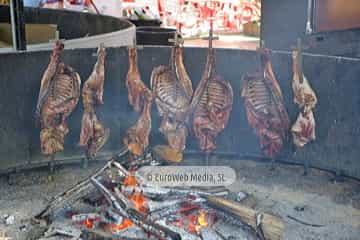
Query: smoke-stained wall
x=336 y=83
x=284 y=21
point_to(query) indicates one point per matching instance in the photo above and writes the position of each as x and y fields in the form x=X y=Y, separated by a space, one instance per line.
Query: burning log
x=172 y=89
x=211 y=103
x=184 y=234
x=265 y=108
x=58 y=97
x=140 y=97
x=63 y=231
x=173 y=211
x=272 y=227
x=71 y=195
x=93 y=134
x=94 y=234
x=125 y=208
x=155 y=192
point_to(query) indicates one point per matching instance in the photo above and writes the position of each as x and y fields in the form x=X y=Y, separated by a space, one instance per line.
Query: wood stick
x=272 y=226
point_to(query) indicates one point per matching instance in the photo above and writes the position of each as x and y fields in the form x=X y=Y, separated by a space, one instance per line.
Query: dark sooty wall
x=284 y=21
x=337 y=113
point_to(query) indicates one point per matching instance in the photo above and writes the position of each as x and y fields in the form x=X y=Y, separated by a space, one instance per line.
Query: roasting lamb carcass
x=58 y=97
x=172 y=90
x=93 y=134
x=137 y=136
x=134 y=84
x=303 y=130
x=212 y=104
x=140 y=97
x=265 y=108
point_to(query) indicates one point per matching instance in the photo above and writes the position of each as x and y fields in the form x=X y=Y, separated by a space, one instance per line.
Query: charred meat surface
x=134 y=84
x=58 y=97
x=137 y=136
x=265 y=107
x=93 y=134
x=140 y=97
x=172 y=90
x=212 y=102
x=303 y=130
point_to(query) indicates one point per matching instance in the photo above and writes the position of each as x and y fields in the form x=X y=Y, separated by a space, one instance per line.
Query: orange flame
x=130 y=181
x=194 y=222
x=89 y=223
x=201 y=221
x=125 y=224
x=140 y=202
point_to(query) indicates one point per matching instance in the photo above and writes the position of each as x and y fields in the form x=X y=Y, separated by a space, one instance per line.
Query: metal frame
x=18 y=24
x=310 y=17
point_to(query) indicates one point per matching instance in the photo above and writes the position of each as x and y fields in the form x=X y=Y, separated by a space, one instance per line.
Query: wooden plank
x=273 y=227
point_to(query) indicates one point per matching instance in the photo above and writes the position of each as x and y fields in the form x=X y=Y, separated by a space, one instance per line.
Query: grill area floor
x=312 y=199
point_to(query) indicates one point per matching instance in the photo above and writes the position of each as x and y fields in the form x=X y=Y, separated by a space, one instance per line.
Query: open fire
x=124 y=225
x=129 y=209
x=194 y=222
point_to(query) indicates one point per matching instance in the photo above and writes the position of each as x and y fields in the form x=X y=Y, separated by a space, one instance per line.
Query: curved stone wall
x=81 y=30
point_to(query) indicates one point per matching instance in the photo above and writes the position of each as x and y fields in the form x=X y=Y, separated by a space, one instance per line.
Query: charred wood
x=271 y=226
x=122 y=206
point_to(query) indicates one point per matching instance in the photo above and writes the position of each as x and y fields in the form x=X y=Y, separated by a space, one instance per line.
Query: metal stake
x=52 y=164
x=18 y=24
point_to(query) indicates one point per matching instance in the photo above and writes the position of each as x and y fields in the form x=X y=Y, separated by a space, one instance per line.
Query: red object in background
x=160 y=8
x=192 y=16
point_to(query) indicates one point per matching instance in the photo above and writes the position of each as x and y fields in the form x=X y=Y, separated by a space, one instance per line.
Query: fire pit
x=114 y=203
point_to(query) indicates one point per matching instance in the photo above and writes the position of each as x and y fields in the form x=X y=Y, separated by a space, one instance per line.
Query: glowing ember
x=130 y=181
x=193 y=222
x=202 y=219
x=125 y=224
x=89 y=223
x=139 y=201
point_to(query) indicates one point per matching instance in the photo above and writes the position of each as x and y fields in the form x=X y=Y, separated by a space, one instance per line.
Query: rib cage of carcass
x=212 y=104
x=140 y=97
x=93 y=135
x=172 y=90
x=58 y=97
x=265 y=107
